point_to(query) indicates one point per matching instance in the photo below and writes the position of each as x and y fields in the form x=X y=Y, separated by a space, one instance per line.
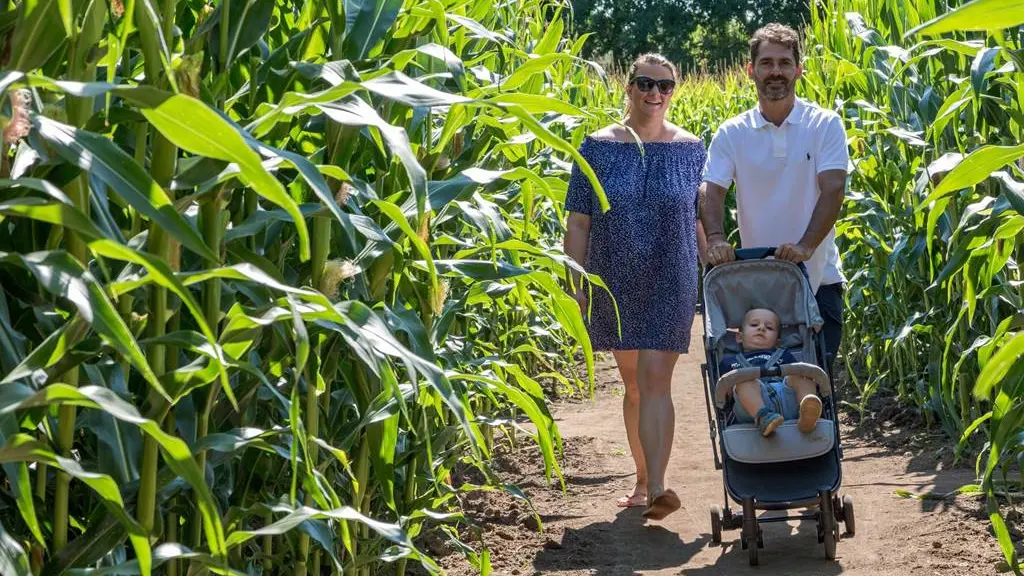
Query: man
x=788 y=159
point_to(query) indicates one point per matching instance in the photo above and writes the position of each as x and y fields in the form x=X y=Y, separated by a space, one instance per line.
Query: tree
x=695 y=34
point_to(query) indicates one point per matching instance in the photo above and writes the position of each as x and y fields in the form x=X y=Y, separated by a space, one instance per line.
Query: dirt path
x=585 y=533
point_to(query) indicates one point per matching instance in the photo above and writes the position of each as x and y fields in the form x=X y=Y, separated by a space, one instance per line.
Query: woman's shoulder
x=682 y=135
x=621 y=134
x=610 y=133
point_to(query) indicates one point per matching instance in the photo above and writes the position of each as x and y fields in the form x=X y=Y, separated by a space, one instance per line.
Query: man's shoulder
x=819 y=114
x=737 y=123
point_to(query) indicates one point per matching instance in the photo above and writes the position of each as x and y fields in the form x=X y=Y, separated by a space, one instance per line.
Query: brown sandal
x=663 y=504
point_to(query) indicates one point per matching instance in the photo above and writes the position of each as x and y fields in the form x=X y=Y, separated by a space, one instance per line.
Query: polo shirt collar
x=796 y=115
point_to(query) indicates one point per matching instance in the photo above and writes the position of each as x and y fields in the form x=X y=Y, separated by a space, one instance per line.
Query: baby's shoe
x=767 y=421
x=810 y=411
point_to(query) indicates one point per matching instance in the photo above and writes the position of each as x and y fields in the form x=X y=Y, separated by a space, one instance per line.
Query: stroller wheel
x=716 y=524
x=751 y=531
x=848 y=515
x=828 y=526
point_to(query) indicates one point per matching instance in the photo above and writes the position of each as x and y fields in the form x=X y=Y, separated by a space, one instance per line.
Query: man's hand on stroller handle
x=720 y=250
x=795 y=253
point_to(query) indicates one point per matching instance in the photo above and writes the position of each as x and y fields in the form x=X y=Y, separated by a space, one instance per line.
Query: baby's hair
x=778 y=319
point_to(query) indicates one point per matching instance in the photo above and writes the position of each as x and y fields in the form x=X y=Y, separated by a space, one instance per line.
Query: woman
x=645 y=250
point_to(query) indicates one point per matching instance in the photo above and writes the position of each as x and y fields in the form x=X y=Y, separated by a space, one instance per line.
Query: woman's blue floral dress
x=645 y=247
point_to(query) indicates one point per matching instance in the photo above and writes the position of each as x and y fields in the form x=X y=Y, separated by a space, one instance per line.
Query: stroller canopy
x=732 y=288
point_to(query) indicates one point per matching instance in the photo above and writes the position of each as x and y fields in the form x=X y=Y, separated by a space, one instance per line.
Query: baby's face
x=760 y=330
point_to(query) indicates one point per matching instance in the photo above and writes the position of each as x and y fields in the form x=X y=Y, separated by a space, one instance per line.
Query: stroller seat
x=744 y=443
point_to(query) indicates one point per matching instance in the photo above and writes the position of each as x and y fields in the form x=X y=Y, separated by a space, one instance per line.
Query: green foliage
x=272 y=283
x=931 y=234
x=696 y=35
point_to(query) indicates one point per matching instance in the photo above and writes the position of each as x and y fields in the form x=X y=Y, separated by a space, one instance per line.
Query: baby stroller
x=788 y=470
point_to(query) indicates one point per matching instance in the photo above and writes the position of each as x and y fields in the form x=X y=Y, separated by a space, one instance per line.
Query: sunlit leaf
x=975 y=15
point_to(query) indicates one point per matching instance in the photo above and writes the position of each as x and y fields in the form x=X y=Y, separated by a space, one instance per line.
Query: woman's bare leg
x=657 y=427
x=627 y=363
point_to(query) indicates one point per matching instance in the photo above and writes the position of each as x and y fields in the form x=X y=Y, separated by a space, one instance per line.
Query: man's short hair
x=776 y=34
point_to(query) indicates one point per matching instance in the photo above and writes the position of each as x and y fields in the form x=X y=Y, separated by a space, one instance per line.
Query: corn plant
x=273 y=271
x=931 y=234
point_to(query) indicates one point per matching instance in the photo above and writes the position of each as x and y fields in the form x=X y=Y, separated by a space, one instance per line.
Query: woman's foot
x=810 y=411
x=768 y=420
x=632 y=501
x=636 y=499
x=662 y=505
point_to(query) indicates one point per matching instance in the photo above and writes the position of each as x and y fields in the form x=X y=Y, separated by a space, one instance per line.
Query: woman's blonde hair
x=653 y=59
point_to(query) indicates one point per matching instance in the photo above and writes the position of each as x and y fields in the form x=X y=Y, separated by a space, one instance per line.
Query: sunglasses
x=645 y=84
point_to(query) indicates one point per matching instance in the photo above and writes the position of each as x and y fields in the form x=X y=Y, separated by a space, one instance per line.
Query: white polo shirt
x=775 y=169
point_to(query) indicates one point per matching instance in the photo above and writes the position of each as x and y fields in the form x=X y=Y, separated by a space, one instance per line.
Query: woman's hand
x=581 y=299
x=577 y=237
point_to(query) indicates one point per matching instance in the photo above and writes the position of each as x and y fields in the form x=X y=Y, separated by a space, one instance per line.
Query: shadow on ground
x=928 y=470
x=627 y=546
x=789 y=550
x=622 y=547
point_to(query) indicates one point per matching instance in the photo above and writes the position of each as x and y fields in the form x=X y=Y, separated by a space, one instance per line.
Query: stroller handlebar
x=758 y=253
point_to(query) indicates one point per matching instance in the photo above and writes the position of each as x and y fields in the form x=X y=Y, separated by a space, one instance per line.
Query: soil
x=894 y=471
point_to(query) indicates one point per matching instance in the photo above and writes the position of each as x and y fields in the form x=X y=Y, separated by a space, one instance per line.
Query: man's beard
x=773 y=91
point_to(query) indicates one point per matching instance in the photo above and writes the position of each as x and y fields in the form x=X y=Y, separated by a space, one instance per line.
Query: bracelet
x=713 y=234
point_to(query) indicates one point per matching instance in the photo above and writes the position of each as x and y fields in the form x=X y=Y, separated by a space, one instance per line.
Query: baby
x=767 y=404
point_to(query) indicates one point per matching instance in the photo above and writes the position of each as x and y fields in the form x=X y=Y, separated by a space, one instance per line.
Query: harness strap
x=774 y=397
x=772 y=360
x=775 y=357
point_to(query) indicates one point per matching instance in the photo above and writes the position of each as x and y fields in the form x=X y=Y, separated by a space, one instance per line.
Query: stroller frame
x=826 y=508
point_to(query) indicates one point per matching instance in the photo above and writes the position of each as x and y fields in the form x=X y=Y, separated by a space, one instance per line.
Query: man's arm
x=832 y=162
x=712 y=213
x=702 y=244
x=719 y=174
x=712 y=217
x=832 y=184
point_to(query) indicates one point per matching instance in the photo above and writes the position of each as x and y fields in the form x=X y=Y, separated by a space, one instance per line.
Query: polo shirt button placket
x=778 y=141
